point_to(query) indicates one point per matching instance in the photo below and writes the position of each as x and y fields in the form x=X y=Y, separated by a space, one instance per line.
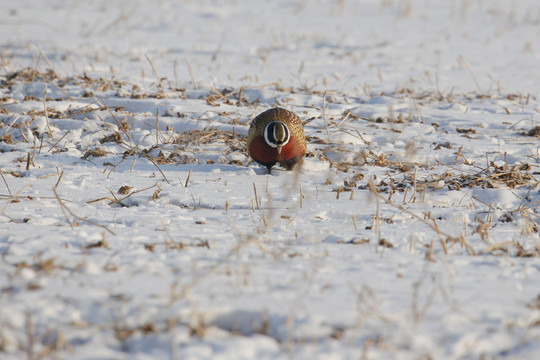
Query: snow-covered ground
x=133 y=225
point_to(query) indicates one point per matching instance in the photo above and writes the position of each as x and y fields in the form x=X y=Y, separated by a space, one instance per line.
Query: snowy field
x=133 y=225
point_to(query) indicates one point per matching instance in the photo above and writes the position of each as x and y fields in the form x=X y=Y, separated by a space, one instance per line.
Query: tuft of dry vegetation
x=534 y=132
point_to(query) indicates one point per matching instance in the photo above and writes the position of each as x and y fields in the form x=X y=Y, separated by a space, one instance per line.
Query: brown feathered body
x=277 y=136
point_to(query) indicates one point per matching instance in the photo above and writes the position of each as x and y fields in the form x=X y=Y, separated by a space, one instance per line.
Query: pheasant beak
x=279 y=149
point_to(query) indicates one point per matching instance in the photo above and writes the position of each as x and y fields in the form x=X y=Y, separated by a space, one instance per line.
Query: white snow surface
x=207 y=256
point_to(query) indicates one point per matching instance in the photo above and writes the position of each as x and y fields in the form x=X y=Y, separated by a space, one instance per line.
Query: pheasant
x=276 y=136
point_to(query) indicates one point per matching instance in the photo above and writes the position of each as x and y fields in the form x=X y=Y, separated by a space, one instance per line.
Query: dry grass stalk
x=157 y=127
x=55 y=145
x=325 y=118
x=378 y=211
x=149 y=158
x=468 y=66
x=29 y=161
x=420 y=119
x=5 y=182
x=449 y=238
x=190 y=69
x=443 y=244
x=154 y=70
x=66 y=210
x=155 y=196
x=121 y=126
x=301 y=196
x=30 y=336
x=46 y=111
x=135 y=150
x=429 y=254
x=13 y=198
x=500 y=246
x=419 y=310
x=187 y=179
x=257 y=202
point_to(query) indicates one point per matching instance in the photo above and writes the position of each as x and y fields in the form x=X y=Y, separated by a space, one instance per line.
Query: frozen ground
x=132 y=224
